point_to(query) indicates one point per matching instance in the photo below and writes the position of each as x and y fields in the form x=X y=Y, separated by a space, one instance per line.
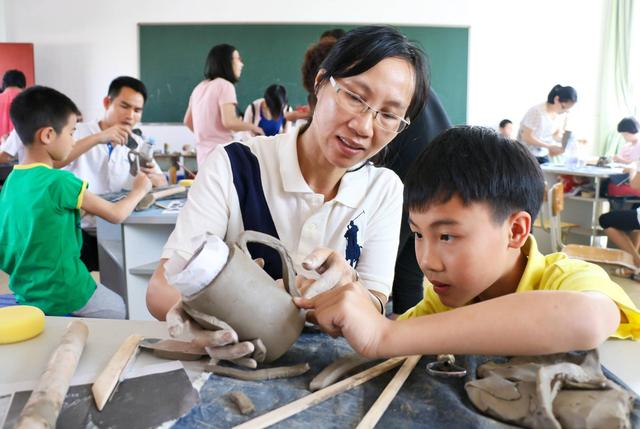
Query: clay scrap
x=259 y=374
x=242 y=401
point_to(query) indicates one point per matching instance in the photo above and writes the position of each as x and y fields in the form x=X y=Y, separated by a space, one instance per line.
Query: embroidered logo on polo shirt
x=352 y=252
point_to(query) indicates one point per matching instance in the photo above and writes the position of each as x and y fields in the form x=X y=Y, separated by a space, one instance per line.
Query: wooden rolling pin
x=45 y=402
x=148 y=200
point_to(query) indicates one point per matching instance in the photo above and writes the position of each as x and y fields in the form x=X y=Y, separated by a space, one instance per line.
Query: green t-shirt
x=40 y=239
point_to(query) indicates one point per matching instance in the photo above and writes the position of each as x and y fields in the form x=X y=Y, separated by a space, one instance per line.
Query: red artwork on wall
x=18 y=56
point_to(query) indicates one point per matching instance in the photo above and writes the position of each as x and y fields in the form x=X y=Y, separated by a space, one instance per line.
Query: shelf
x=144 y=270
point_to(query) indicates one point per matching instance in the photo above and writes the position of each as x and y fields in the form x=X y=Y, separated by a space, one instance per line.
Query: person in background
x=332 y=35
x=211 y=114
x=268 y=113
x=505 y=128
x=630 y=152
x=13 y=82
x=543 y=126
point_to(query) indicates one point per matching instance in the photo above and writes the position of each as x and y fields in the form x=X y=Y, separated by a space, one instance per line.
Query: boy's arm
x=118 y=211
x=5 y=157
x=528 y=323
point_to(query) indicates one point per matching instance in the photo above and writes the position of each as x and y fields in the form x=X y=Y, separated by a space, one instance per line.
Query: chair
x=601 y=256
x=543 y=223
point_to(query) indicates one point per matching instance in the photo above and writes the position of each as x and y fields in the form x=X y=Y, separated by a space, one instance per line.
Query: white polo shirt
x=13 y=146
x=370 y=196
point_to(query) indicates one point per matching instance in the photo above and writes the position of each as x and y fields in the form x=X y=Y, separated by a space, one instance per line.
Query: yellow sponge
x=19 y=323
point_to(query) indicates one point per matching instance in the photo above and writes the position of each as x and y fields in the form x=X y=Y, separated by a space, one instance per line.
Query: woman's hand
x=333 y=269
x=555 y=149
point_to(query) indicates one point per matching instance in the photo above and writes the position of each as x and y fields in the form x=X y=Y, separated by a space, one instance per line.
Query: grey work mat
x=423 y=401
x=142 y=402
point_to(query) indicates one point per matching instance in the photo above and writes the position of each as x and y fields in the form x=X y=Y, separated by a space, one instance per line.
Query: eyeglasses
x=353 y=103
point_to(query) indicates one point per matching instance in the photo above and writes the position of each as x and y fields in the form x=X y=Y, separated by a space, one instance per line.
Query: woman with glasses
x=315 y=188
x=543 y=125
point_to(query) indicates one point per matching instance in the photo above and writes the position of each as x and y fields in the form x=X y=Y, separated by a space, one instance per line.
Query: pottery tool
x=382 y=403
x=115 y=371
x=149 y=199
x=173 y=349
x=19 y=323
x=305 y=402
x=45 y=402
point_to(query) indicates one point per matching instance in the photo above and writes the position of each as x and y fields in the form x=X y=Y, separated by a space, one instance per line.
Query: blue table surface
x=423 y=401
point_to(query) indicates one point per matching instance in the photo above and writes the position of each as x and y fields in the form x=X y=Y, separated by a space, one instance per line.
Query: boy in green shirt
x=40 y=235
x=472 y=196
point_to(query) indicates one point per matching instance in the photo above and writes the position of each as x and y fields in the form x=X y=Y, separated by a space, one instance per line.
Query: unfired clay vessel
x=247 y=298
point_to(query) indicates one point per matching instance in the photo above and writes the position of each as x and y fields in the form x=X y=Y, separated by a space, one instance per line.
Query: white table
x=23 y=362
x=129 y=253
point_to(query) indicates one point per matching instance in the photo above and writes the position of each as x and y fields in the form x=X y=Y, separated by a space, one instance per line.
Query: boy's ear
x=45 y=135
x=106 y=102
x=519 y=228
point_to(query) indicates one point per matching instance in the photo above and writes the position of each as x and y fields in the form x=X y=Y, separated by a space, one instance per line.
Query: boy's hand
x=347 y=311
x=334 y=271
x=221 y=344
x=142 y=182
x=157 y=179
x=117 y=134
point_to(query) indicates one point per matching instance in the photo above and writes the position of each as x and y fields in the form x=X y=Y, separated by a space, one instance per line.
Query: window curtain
x=617 y=93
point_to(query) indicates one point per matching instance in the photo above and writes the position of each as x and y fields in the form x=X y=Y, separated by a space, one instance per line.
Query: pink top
x=6 y=98
x=630 y=152
x=205 y=104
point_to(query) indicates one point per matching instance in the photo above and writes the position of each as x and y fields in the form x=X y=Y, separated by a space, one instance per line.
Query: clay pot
x=244 y=296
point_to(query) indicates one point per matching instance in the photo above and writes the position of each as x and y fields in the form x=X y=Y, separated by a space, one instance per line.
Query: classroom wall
x=517 y=49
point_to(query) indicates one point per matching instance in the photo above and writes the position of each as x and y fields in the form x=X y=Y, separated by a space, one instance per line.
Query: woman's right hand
x=555 y=150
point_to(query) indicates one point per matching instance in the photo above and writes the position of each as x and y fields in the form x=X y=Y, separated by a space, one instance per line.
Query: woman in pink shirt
x=13 y=82
x=211 y=114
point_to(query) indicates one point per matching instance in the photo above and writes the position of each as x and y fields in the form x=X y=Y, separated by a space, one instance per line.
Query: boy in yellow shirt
x=472 y=196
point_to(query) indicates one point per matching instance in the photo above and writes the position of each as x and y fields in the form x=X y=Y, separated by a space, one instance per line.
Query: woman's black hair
x=276 y=98
x=628 y=125
x=363 y=47
x=13 y=78
x=220 y=63
x=564 y=93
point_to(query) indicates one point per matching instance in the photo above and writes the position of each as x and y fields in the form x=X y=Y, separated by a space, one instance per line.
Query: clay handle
x=288 y=273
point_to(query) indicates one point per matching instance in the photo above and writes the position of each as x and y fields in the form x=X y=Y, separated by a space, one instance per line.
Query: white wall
x=517 y=50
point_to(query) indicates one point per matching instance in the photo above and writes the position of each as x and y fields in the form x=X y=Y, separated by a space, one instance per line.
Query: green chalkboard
x=172 y=62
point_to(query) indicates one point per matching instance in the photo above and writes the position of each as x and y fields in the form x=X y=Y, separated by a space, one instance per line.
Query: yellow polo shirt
x=553 y=272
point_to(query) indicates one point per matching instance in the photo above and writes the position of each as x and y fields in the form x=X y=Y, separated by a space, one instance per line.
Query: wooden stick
x=305 y=402
x=382 y=403
x=110 y=375
x=45 y=402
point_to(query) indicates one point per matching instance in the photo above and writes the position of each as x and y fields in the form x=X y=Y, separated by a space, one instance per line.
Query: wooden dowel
x=305 y=402
x=382 y=403
x=110 y=375
x=45 y=402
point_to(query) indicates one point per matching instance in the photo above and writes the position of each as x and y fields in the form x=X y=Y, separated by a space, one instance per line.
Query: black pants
x=543 y=159
x=407 y=284
x=89 y=252
x=625 y=220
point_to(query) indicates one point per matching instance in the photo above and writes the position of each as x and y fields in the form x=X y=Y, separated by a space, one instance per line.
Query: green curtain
x=616 y=98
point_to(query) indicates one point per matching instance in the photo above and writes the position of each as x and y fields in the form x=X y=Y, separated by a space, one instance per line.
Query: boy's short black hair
x=479 y=165
x=504 y=122
x=38 y=107
x=13 y=78
x=628 y=125
x=120 y=82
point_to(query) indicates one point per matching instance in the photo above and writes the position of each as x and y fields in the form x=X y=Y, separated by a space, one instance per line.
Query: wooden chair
x=542 y=220
x=598 y=255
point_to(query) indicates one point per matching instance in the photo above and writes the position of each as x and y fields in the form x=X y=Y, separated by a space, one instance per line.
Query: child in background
x=472 y=196
x=13 y=82
x=630 y=152
x=40 y=235
x=268 y=113
x=506 y=128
